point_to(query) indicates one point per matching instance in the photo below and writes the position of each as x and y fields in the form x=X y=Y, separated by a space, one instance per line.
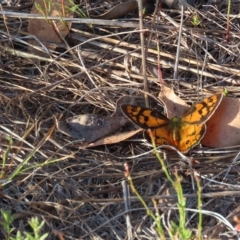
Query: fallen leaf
x=49 y=32
x=116 y=138
x=237 y=220
x=223 y=128
x=90 y=127
x=174 y=105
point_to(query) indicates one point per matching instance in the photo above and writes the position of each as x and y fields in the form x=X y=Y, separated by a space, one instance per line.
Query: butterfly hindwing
x=187 y=136
x=190 y=136
x=162 y=136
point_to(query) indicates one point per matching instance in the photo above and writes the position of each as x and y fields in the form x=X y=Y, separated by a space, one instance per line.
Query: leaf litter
x=78 y=191
x=49 y=32
x=88 y=127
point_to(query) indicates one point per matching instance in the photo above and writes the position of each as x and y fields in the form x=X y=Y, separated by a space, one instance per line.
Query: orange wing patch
x=191 y=135
x=202 y=111
x=144 y=117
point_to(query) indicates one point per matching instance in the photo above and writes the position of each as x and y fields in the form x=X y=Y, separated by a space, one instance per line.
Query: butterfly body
x=181 y=132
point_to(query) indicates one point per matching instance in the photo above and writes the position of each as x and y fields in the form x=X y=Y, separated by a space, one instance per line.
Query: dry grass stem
x=78 y=191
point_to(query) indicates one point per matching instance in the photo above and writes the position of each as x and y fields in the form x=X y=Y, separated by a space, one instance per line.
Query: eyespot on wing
x=191 y=135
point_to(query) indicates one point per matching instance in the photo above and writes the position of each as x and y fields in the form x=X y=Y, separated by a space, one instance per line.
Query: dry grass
x=78 y=192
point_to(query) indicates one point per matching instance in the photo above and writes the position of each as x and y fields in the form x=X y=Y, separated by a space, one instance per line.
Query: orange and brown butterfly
x=183 y=132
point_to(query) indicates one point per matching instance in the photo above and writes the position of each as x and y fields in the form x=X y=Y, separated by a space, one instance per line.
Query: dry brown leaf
x=175 y=106
x=223 y=128
x=89 y=127
x=116 y=138
x=49 y=32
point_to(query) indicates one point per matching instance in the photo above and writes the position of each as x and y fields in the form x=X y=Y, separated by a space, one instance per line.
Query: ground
x=79 y=192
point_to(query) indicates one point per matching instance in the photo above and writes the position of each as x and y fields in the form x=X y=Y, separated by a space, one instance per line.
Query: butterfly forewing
x=202 y=111
x=144 y=117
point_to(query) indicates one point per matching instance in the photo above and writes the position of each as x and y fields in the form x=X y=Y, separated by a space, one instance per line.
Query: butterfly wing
x=190 y=135
x=200 y=112
x=181 y=133
x=162 y=136
x=184 y=138
x=144 y=117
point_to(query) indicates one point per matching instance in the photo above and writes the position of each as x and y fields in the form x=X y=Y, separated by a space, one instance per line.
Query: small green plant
x=177 y=230
x=36 y=227
x=47 y=11
x=228 y=22
x=156 y=218
x=7 y=220
x=225 y=92
x=195 y=20
x=5 y=157
x=22 y=167
x=199 y=196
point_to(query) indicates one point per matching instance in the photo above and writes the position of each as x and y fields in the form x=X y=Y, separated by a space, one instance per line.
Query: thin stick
x=145 y=82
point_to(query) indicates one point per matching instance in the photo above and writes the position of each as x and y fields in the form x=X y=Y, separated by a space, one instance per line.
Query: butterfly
x=183 y=132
